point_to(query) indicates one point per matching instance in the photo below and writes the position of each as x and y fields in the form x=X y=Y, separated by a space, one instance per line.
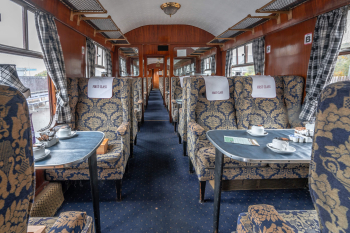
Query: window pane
x=243 y=71
x=99 y=56
x=250 y=53
x=346 y=38
x=11 y=28
x=32 y=73
x=100 y=72
x=241 y=55
x=33 y=40
x=234 y=57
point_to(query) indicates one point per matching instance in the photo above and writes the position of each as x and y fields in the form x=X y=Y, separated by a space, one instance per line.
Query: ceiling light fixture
x=170 y=8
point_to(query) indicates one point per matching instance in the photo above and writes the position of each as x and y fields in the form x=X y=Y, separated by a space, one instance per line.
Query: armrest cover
x=265 y=218
x=196 y=129
x=72 y=221
x=140 y=102
x=173 y=101
x=123 y=128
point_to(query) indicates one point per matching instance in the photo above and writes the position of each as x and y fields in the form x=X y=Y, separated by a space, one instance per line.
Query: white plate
x=47 y=152
x=72 y=134
x=289 y=151
x=257 y=135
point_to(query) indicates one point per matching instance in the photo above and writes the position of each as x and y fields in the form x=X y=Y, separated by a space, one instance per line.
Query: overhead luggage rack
x=200 y=51
x=129 y=52
x=246 y=24
x=81 y=7
x=107 y=27
x=280 y=6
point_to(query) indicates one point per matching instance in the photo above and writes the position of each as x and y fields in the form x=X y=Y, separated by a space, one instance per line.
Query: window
x=341 y=70
x=122 y=68
x=242 y=61
x=100 y=61
x=19 y=45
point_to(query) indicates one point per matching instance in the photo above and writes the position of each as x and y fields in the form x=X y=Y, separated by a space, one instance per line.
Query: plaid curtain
x=328 y=36
x=90 y=57
x=228 y=62
x=9 y=77
x=54 y=62
x=259 y=55
x=213 y=65
x=202 y=66
x=108 y=62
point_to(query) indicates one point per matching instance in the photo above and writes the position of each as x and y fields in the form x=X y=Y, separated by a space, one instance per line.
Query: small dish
x=257 y=135
x=72 y=134
x=47 y=153
x=289 y=151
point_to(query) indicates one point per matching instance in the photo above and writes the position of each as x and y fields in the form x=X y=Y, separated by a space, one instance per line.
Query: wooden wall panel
x=71 y=43
x=289 y=55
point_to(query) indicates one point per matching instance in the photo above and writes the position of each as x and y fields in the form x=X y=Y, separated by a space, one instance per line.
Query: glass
x=182 y=66
x=100 y=72
x=99 y=56
x=346 y=37
x=234 y=57
x=241 y=55
x=243 y=71
x=250 y=53
x=32 y=73
x=135 y=67
x=342 y=66
x=33 y=39
x=11 y=26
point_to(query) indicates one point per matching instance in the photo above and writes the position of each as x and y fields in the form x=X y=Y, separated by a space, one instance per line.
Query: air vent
x=163 y=48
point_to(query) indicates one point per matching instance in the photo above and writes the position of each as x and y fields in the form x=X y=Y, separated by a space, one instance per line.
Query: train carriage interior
x=189 y=116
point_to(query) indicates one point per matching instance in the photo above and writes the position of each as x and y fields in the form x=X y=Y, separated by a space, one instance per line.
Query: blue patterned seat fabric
x=133 y=108
x=110 y=116
x=182 y=128
x=138 y=98
x=167 y=97
x=17 y=170
x=329 y=181
x=176 y=93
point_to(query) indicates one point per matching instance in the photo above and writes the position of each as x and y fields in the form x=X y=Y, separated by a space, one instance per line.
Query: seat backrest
x=176 y=90
x=166 y=84
x=144 y=88
x=72 y=85
x=104 y=115
x=161 y=85
x=275 y=113
x=329 y=177
x=149 y=82
x=16 y=161
x=183 y=114
x=218 y=114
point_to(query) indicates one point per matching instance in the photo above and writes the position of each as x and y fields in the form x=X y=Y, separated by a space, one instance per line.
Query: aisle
x=159 y=195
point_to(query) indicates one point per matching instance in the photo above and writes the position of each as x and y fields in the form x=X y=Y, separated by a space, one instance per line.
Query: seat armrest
x=267 y=217
x=173 y=101
x=123 y=128
x=196 y=129
x=140 y=102
x=72 y=221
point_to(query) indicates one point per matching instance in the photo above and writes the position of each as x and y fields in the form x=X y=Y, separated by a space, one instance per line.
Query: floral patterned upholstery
x=276 y=113
x=132 y=107
x=176 y=93
x=67 y=222
x=161 y=85
x=167 y=86
x=182 y=129
x=138 y=98
x=149 y=83
x=329 y=168
x=144 y=90
x=110 y=116
x=17 y=168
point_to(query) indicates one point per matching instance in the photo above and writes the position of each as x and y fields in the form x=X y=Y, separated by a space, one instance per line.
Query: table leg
x=94 y=190
x=219 y=157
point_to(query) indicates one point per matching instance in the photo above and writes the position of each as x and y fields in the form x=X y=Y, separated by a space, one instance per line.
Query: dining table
x=67 y=152
x=251 y=154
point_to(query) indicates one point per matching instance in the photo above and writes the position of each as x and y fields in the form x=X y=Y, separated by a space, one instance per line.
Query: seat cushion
x=206 y=156
x=298 y=220
x=288 y=165
x=112 y=159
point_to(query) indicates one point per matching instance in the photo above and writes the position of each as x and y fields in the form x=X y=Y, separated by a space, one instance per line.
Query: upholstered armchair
x=110 y=116
x=17 y=172
x=176 y=93
x=138 y=100
x=144 y=80
x=182 y=129
x=133 y=114
x=161 y=86
x=328 y=176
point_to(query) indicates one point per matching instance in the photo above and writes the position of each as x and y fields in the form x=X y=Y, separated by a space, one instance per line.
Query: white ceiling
x=214 y=16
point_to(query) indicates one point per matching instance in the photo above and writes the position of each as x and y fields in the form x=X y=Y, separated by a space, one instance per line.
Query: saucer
x=257 y=135
x=289 y=151
x=47 y=152
x=72 y=134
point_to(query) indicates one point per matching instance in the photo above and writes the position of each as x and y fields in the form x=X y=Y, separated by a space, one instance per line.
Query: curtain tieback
x=60 y=101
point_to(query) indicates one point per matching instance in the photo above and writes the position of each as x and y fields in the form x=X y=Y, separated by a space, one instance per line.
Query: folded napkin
x=182 y=80
x=217 y=88
x=100 y=87
x=263 y=87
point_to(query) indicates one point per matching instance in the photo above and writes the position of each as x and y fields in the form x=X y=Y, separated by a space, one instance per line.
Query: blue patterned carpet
x=159 y=195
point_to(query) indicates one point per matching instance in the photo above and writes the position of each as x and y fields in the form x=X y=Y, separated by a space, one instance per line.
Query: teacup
x=38 y=150
x=64 y=132
x=280 y=144
x=258 y=129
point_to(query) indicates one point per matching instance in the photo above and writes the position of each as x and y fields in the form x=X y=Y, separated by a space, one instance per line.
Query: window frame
x=26 y=52
x=246 y=63
x=103 y=57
